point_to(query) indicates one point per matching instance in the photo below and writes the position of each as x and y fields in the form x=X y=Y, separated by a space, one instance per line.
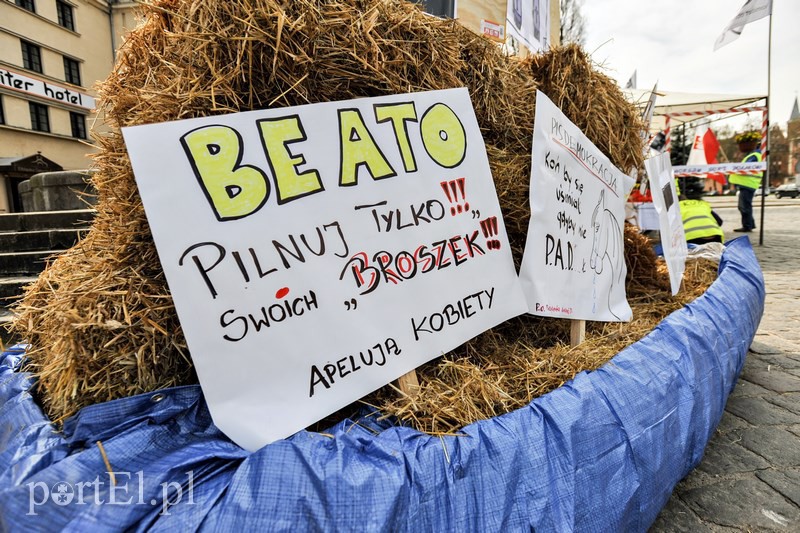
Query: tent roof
x=673 y=102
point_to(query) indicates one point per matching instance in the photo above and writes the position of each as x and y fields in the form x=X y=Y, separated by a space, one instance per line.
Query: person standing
x=748 y=143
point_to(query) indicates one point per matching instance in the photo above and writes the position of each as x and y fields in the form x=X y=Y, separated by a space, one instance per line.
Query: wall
x=99 y=27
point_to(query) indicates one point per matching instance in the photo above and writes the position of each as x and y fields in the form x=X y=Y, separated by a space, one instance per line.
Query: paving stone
x=787 y=400
x=745 y=503
x=759 y=411
x=676 y=517
x=773 y=379
x=730 y=422
x=780 y=360
x=775 y=444
x=746 y=388
x=723 y=457
x=763 y=348
x=786 y=482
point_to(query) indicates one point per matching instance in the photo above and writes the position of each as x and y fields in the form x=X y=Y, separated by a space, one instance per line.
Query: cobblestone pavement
x=749 y=478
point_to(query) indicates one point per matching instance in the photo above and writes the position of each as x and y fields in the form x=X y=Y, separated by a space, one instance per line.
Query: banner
x=574 y=265
x=665 y=200
x=528 y=21
x=25 y=84
x=316 y=253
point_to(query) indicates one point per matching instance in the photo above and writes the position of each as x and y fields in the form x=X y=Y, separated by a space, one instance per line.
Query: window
x=39 y=119
x=26 y=4
x=439 y=8
x=78 y=123
x=72 y=71
x=2 y=113
x=31 y=56
x=65 y=17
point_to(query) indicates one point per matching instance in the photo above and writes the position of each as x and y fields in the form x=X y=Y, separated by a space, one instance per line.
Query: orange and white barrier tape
x=715 y=111
x=764 y=122
x=723 y=168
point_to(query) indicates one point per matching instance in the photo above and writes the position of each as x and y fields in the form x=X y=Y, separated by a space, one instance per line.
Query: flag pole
x=765 y=176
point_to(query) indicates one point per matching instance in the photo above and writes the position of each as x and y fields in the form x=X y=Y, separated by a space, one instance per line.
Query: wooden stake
x=408 y=383
x=577 y=332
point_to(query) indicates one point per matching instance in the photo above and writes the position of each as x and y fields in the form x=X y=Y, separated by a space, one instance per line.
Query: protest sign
x=315 y=253
x=574 y=266
x=665 y=200
x=528 y=21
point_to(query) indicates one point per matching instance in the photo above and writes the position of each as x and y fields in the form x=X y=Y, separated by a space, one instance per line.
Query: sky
x=672 y=42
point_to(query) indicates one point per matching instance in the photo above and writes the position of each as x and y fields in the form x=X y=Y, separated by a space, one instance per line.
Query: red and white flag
x=752 y=10
x=704 y=152
x=697 y=155
x=711 y=149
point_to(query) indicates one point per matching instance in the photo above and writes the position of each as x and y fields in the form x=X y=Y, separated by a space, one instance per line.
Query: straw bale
x=507 y=367
x=100 y=319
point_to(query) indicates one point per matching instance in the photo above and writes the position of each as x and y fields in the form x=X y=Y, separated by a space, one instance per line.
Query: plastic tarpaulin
x=602 y=452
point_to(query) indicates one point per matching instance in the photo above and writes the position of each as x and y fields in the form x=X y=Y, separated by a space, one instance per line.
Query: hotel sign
x=50 y=91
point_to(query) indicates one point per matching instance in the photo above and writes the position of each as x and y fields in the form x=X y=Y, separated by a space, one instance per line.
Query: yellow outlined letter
x=400 y=115
x=443 y=135
x=233 y=190
x=276 y=136
x=358 y=148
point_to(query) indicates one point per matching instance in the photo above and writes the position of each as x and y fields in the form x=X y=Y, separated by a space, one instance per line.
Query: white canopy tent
x=673 y=108
x=699 y=104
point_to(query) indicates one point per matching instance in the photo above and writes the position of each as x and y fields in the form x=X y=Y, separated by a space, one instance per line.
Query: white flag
x=631 y=82
x=647 y=112
x=752 y=10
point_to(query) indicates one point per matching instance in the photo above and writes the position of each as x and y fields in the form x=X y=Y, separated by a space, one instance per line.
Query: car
x=770 y=190
x=787 y=189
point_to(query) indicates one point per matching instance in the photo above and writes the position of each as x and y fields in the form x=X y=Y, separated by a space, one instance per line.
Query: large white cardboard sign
x=316 y=253
x=573 y=266
x=665 y=200
x=528 y=21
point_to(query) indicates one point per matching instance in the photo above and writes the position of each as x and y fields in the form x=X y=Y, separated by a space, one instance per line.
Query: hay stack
x=100 y=318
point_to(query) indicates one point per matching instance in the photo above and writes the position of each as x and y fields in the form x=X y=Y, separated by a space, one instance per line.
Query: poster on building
x=484 y=17
x=574 y=264
x=318 y=252
x=528 y=22
x=665 y=200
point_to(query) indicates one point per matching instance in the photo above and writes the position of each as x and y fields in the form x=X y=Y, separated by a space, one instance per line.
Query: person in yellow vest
x=748 y=143
x=700 y=223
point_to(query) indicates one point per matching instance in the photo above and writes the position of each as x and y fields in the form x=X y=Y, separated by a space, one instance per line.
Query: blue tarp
x=603 y=452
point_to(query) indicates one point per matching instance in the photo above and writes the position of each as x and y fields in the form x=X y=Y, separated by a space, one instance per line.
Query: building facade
x=52 y=52
x=793 y=140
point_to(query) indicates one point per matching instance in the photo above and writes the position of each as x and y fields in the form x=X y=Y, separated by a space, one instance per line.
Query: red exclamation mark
x=490 y=228
x=446 y=189
x=462 y=186
x=455 y=197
